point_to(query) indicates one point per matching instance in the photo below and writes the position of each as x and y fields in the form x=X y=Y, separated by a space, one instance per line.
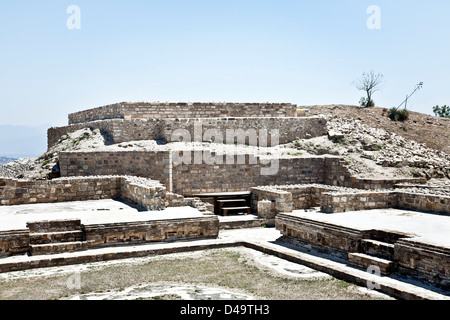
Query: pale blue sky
x=302 y=52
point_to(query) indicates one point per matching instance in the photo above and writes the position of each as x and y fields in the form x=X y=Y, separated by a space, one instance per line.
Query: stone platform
x=73 y=226
x=400 y=242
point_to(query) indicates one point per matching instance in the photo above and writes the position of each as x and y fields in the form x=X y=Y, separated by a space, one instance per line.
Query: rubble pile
x=388 y=149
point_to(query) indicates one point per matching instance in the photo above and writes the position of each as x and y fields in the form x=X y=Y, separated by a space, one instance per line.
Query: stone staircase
x=374 y=253
x=56 y=236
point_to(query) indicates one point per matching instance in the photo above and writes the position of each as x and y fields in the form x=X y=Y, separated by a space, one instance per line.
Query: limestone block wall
x=339 y=175
x=281 y=201
x=151 y=231
x=416 y=260
x=423 y=262
x=114 y=111
x=158 y=110
x=424 y=202
x=326 y=238
x=120 y=130
x=15 y=192
x=254 y=131
x=332 y=202
x=14 y=242
x=353 y=201
x=153 y=165
x=147 y=193
x=232 y=176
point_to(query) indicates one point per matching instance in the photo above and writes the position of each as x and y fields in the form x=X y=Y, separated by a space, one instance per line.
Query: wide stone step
x=362 y=260
x=245 y=210
x=56 y=237
x=378 y=248
x=54 y=248
x=54 y=225
x=228 y=201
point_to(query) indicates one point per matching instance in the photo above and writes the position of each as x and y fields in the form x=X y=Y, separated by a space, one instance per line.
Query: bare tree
x=370 y=83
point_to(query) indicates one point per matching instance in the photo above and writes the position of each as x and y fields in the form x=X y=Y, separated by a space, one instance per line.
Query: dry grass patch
x=214 y=268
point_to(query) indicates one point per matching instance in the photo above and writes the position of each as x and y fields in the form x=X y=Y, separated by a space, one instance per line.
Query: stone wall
x=235 y=175
x=151 y=231
x=252 y=131
x=120 y=130
x=153 y=165
x=239 y=173
x=332 y=199
x=116 y=130
x=354 y=201
x=14 y=242
x=15 y=192
x=281 y=201
x=339 y=175
x=423 y=262
x=147 y=193
x=324 y=237
x=423 y=202
x=335 y=202
x=157 y=110
x=412 y=259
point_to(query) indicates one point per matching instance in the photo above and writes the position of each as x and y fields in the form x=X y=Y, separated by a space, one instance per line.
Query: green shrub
x=363 y=102
x=398 y=115
x=443 y=111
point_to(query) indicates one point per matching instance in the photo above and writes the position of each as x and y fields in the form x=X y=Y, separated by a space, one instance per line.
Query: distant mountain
x=23 y=141
x=4 y=160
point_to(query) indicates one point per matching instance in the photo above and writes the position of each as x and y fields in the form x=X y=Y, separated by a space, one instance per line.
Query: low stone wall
x=418 y=261
x=100 y=235
x=332 y=199
x=280 y=201
x=117 y=130
x=423 y=262
x=147 y=193
x=323 y=237
x=14 y=242
x=151 y=231
x=339 y=175
x=158 y=110
x=354 y=201
x=144 y=192
x=423 y=202
x=332 y=202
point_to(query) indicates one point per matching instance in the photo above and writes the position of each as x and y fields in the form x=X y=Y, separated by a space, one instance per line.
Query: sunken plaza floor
x=421 y=228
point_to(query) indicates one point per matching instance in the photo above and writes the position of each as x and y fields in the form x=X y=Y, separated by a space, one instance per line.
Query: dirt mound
x=434 y=132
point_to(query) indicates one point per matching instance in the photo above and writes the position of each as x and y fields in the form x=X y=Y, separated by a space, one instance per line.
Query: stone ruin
x=224 y=185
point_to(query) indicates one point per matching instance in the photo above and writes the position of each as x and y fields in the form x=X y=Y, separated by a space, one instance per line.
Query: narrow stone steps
x=364 y=261
x=56 y=237
x=378 y=248
x=54 y=248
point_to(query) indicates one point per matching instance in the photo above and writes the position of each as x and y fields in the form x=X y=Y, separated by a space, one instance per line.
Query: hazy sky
x=302 y=52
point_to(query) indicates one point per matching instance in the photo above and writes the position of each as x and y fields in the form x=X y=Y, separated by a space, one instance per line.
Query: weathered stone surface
x=158 y=110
